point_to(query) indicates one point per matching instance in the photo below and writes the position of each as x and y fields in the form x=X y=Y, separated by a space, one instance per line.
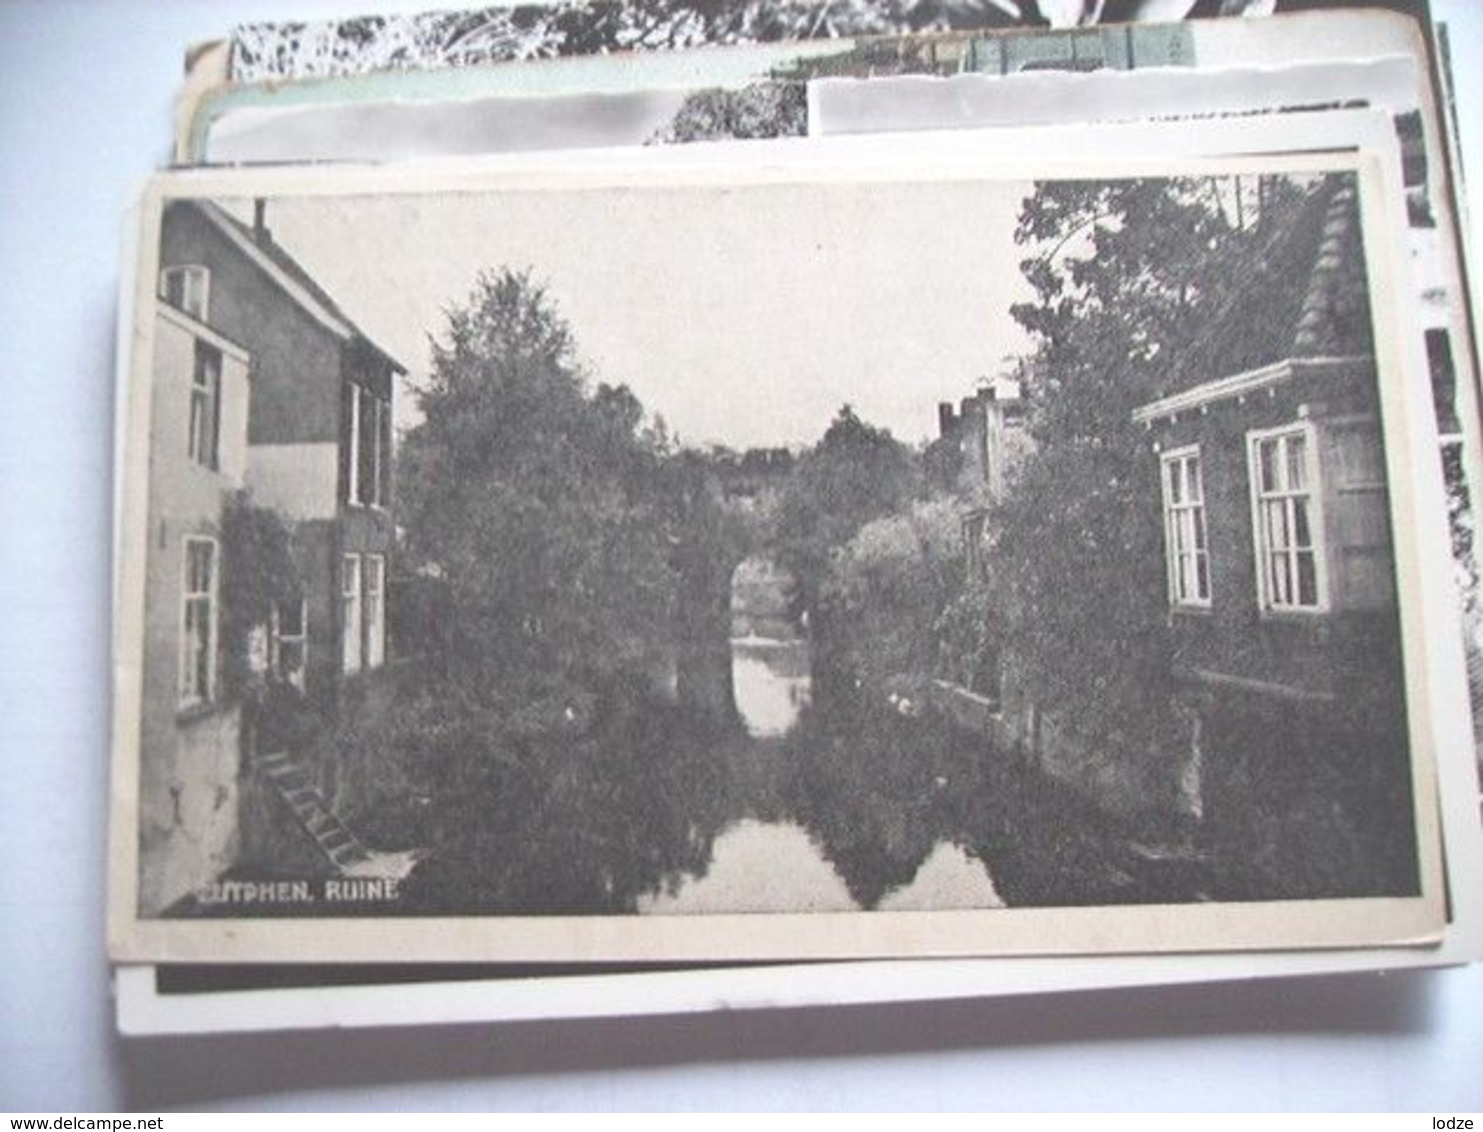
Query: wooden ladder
x=293 y=784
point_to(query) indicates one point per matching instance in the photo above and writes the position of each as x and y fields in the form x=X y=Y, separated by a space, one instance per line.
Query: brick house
x=260 y=382
x=319 y=434
x=987 y=438
x=190 y=732
x=1282 y=613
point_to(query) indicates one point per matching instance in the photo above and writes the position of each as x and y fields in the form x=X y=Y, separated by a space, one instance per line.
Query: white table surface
x=85 y=90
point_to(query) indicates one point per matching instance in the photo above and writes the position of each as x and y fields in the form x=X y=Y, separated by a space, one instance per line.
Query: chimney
x=945 y=417
x=259 y=221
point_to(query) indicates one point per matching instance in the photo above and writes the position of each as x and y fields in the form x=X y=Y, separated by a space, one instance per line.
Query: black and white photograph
x=816 y=555
x=748 y=564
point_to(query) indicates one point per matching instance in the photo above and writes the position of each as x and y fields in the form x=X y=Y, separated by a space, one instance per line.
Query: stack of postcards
x=992 y=511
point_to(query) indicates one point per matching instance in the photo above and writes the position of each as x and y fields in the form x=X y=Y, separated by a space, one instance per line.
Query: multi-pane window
x=198 y=622
x=363 y=611
x=350 y=613
x=203 y=441
x=375 y=609
x=1285 y=505
x=1186 y=541
x=288 y=642
x=187 y=288
x=369 y=435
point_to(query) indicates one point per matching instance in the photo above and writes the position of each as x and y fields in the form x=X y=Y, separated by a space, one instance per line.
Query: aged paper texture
x=666 y=558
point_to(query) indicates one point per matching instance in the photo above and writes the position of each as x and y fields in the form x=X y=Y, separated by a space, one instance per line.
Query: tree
x=534 y=501
x=856 y=473
x=1130 y=277
x=258 y=572
x=891 y=584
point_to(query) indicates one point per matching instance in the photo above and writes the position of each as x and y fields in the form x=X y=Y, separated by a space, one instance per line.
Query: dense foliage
x=890 y=585
x=258 y=571
x=1132 y=279
x=535 y=502
x=854 y=474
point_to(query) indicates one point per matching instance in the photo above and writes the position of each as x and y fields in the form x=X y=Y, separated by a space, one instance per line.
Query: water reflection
x=771 y=682
x=803 y=801
x=767 y=780
x=776 y=867
x=949 y=878
x=758 y=866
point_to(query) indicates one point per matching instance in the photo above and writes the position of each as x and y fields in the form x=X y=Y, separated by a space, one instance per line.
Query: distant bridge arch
x=728 y=501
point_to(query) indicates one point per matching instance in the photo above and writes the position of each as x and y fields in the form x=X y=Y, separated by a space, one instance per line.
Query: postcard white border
x=1422 y=562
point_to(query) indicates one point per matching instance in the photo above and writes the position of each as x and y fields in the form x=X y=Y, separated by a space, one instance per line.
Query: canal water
x=778 y=864
x=767 y=779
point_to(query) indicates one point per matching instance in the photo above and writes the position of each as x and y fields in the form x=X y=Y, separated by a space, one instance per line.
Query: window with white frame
x=1287 y=519
x=187 y=287
x=203 y=442
x=198 y=622
x=1186 y=540
x=288 y=641
x=350 y=613
x=375 y=609
x=369 y=438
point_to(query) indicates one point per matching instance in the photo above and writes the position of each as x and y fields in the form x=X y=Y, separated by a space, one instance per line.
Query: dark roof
x=273 y=251
x=1303 y=294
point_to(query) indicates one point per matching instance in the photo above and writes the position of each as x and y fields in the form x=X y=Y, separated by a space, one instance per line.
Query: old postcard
x=500 y=81
x=666 y=559
x=1398 y=83
x=346 y=91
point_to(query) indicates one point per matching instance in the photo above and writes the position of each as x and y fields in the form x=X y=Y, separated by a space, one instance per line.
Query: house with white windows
x=1281 y=599
x=260 y=382
x=189 y=788
x=319 y=430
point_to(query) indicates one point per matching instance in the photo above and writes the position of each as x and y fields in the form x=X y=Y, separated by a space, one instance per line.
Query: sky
x=744 y=315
